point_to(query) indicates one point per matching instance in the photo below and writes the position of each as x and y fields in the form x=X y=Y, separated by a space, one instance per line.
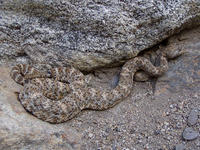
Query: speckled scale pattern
x=64 y=93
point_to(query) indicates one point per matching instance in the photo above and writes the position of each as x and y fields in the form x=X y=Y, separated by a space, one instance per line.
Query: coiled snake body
x=62 y=94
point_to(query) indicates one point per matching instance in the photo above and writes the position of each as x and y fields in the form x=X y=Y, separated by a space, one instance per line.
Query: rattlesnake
x=63 y=93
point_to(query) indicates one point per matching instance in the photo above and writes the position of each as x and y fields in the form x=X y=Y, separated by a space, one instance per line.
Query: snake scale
x=60 y=95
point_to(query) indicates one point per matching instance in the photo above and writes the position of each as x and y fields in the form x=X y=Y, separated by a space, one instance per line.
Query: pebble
x=179 y=147
x=90 y=135
x=193 y=117
x=190 y=134
x=157 y=132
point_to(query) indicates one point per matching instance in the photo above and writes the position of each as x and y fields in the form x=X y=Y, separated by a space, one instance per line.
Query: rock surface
x=89 y=34
x=152 y=117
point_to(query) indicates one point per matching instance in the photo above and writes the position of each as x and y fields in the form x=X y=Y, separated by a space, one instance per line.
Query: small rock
x=157 y=132
x=190 y=134
x=193 y=117
x=179 y=147
x=132 y=131
x=90 y=135
x=116 y=129
x=171 y=106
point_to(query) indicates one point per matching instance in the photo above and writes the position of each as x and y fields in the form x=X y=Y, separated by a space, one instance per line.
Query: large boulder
x=89 y=34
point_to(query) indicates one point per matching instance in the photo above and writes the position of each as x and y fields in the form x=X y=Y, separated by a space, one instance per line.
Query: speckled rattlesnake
x=63 y=93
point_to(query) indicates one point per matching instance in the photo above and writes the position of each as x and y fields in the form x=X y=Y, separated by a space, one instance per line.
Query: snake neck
x=104 y=99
